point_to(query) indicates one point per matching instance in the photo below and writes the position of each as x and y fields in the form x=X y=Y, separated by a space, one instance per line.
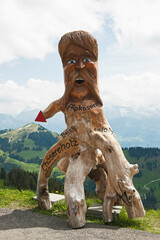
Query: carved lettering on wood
x=65 y=147
x=88 y=147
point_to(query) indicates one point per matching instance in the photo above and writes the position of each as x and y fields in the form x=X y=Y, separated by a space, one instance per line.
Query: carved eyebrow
x=71 y=55
x=88 y=54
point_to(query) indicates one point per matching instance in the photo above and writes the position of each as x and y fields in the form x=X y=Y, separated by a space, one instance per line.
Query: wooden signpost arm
x=53 y=108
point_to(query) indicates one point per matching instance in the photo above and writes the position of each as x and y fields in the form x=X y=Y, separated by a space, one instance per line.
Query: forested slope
x=25 y=148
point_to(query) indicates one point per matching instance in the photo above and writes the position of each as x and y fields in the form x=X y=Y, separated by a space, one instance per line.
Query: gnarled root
x=61 y=149
x=43 y=199
x=76 y=210
x=79 y=167
x=119 y=177
x=132 y=201
x=42 y=191
x=99 y=176
x=108 y=204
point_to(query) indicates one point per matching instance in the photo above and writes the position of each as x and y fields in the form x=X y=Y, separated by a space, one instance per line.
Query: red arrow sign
x=40 y=117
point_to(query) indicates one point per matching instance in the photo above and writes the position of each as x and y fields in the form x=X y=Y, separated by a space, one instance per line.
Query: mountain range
x=131 y=128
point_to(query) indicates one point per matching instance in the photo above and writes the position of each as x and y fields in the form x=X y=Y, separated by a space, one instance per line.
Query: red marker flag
x=40 y=117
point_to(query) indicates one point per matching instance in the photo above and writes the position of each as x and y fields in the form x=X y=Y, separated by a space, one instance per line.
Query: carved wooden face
x=80 y=72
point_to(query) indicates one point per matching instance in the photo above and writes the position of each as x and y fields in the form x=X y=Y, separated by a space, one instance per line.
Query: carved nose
x=80 y=64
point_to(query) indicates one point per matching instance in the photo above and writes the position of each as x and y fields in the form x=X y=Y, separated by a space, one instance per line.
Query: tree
x=3 y=173
x=150 y=201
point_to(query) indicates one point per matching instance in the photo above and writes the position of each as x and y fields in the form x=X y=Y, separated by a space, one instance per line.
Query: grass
x=13 y=198
x=58 y=209
x=150 y=223
x=28 y=154
x=31 y=167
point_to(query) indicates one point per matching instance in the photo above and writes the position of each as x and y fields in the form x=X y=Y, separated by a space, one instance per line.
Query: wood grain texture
x=88 y=147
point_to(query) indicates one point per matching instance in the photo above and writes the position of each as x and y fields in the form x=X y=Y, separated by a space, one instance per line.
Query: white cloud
x=29 y=28
x=136 y=24
x=136 y=92
x=36 y=94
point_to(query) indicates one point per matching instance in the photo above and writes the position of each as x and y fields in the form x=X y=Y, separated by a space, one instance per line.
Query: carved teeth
x=79 y=80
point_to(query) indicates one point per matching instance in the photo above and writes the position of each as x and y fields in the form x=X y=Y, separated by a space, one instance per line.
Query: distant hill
x=132 y=128
x=26 y=146
x=56 y=124
x=147 y=181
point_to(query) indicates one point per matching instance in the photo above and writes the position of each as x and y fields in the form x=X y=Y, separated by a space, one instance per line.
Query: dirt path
x=24 y=224
x=150 y=183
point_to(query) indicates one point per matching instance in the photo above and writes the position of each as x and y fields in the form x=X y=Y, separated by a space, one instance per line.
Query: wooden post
x=88 y=147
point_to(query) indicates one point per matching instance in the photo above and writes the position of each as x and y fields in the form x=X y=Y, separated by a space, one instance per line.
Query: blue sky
x=128 y=35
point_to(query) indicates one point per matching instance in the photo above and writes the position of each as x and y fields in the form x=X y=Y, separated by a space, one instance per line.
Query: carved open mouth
x=79 y=81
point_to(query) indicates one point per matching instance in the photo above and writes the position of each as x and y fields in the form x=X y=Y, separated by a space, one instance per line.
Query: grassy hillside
x=25 y=148
x=148 y=161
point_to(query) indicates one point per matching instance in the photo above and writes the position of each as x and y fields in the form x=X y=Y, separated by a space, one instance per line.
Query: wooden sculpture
x=88 y=147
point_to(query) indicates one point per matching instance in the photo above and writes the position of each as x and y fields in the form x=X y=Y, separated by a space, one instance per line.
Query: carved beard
x=90 y=82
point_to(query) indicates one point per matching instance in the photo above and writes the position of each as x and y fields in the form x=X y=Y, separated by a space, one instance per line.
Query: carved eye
x=72 y=61
x=86 y=60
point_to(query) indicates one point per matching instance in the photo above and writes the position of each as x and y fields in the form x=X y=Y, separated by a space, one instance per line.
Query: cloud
x=30 y=28
x=136 y=92
x=135 y=24
x=36 y=94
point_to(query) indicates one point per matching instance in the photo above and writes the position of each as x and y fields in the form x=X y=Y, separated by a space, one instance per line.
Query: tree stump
x=88 y=147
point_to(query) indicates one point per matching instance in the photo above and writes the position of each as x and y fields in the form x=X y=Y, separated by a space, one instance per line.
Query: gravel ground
x=24 y=224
